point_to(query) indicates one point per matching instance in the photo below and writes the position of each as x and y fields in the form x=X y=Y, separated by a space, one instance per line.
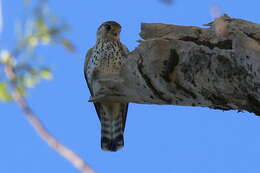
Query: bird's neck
x=107 y=39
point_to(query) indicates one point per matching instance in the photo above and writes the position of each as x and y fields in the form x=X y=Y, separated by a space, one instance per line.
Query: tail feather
x=112 y=138
x=112 y=144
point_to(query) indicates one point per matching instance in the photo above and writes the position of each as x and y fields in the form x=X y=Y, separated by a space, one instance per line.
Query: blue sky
x=164 y=139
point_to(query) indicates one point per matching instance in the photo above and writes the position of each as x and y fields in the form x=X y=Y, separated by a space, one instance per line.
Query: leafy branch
x=21 y=70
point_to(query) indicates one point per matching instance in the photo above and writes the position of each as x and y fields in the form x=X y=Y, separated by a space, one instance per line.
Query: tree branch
x=216 y=67
x=72 y=157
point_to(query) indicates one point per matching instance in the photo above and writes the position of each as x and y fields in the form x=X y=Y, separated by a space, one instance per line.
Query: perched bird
x=105 y=59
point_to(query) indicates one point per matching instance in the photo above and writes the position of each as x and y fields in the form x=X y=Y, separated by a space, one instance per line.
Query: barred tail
x=112 y=134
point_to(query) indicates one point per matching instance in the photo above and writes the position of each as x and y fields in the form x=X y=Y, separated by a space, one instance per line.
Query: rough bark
x=216 y=67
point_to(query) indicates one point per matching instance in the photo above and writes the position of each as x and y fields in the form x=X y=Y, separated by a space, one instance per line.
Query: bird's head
x=109 y=30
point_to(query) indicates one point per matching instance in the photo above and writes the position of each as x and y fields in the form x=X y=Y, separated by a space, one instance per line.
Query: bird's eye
x=108 y=27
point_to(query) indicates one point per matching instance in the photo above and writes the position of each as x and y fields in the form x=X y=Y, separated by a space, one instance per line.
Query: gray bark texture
x=216 y=67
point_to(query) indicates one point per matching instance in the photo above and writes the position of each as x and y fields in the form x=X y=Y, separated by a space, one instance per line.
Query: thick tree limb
x=216 y=67
x=72 y=157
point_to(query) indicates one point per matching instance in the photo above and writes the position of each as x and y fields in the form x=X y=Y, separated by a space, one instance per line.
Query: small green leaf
x=41 y=25
x=4 y=95
x=46 y=39
x=5 y=57
x=21 y=90
x=46 y=74
x=32 y=41
x=30 y=81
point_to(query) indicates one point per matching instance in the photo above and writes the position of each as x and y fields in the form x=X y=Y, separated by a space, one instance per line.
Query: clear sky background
x=165 y=139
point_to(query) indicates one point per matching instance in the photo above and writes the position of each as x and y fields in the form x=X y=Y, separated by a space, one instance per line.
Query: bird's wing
x=123 y=111
x=87 y=59
x=125 y=50
x=124 y=106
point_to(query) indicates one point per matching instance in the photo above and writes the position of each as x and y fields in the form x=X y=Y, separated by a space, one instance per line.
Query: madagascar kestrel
x=105 y=59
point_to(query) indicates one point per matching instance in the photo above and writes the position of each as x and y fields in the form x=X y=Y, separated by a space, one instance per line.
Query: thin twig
x=72 y=157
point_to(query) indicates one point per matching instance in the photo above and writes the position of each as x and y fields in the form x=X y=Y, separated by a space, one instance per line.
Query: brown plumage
x=105 y=59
